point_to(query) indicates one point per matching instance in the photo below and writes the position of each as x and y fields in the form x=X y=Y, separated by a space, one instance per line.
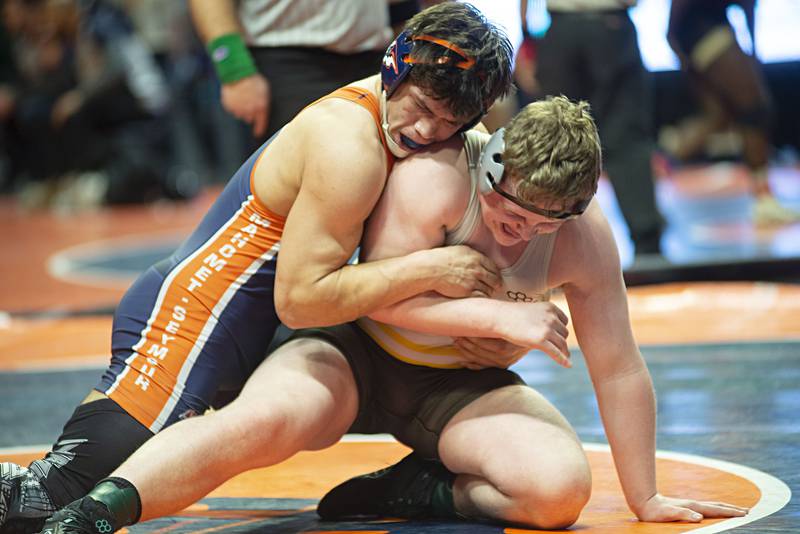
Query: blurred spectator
x=504 y=108
x=590 y=52
x=8 y=76
x=732 y=90
x=117 y=107
x=525 y=61
x=40 y=40
x=206 y=144
x=85 y=126
x=274 y=57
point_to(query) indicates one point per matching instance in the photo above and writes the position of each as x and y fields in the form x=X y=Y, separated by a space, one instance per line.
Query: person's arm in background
x=245 y=91
x=525 y=62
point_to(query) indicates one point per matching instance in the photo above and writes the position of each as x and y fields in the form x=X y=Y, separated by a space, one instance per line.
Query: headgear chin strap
x=394 y=148
x=398 y=62
x=491 y=168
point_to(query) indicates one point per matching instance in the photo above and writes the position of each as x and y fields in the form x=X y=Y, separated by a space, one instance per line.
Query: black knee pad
x=97 y=438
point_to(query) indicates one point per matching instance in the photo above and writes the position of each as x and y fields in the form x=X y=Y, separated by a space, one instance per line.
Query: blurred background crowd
x=117 y=101
x=106 y=101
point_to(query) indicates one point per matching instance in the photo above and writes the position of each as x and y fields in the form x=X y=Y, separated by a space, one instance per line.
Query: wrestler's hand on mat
x=464 y=272
x=538 y=325
x=482 y=352
x=662 y=509
x=248 y=99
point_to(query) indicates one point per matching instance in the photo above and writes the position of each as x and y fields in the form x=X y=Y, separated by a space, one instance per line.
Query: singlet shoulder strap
x=474 y=142
x=368 y=101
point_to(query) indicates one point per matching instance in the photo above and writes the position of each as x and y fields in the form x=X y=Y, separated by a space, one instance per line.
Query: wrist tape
x=231 y=59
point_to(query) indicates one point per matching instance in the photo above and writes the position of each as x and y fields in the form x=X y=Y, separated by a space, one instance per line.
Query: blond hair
x=553 y=150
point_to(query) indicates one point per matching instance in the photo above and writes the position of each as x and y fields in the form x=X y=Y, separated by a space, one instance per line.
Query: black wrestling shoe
x=24 y=504
x=407 y=489
x=84 y=516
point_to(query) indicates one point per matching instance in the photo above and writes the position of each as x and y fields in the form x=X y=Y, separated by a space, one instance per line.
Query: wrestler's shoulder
x=336 y=114
x=341 y=126
x=585 y=248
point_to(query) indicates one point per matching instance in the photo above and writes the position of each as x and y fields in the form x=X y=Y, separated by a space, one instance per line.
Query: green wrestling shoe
x=112 y=504
x=84 y=516
x=414 y=488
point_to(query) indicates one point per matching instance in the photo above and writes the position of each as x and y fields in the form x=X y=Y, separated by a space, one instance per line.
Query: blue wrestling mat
x=296 y=516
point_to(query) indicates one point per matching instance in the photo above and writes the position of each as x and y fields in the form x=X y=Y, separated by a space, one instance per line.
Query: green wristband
x=231 y=59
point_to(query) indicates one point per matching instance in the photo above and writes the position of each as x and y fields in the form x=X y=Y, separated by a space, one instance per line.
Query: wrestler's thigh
x=514 y=437
x=309 y=383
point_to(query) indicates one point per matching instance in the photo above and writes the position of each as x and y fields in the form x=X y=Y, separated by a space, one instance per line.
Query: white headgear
x=491 y=167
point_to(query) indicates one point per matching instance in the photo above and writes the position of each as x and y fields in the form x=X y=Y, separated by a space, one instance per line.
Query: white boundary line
x=60 y=264
x=25 y=449
x=775 y=494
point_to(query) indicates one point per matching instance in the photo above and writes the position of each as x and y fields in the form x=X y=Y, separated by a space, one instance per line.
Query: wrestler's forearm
x=434 y=314
x=355 y=291
x=627 y=406
x=213 y=18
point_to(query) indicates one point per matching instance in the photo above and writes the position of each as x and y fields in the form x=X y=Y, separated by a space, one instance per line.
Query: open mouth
x=409 y=143
x=509 y=231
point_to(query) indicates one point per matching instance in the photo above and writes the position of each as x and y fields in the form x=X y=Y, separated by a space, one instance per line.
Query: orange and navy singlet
x=193 y=327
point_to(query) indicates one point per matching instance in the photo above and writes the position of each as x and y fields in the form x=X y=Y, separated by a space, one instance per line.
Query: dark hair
x=468 y=92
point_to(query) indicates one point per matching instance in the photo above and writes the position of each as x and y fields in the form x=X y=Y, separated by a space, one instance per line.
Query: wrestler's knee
x=551 y=501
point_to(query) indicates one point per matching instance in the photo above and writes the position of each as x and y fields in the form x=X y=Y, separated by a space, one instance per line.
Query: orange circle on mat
x=309 y=474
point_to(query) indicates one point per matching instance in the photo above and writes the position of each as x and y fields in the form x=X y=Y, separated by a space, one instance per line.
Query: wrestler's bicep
x=325 y=224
